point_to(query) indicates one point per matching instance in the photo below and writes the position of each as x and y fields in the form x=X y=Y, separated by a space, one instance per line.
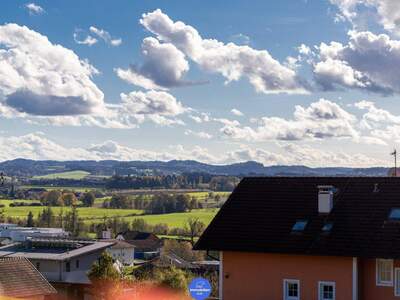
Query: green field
x=96 y=214
x=87 y=213
x=64 y=175
x=178 y=220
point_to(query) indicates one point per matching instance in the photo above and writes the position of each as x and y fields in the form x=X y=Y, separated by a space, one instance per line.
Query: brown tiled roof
x=260 y=214
x=118 y=244
x=20 y=279
x=143 y=241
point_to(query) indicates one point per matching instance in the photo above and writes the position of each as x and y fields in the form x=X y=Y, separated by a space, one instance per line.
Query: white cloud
x=34 y=9
x=151 y=103
x=199 y=134
x=387 y=12
x=134 y=108
x=240 y=39
x=41 y=78
x=236 y=112
x=233 y=62
x=105 y=36
x=88 y=40
x=322 y=119
x=37 y=146
x=164 y=67
x=367 y=62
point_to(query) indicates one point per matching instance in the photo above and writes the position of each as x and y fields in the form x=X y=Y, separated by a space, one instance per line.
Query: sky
x=290 y=82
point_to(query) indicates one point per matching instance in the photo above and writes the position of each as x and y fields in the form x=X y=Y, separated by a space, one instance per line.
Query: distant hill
x=28 y=168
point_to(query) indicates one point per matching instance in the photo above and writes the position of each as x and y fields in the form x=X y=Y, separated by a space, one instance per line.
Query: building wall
x=260 y=276
x=56 y=271
x=369 y=290
x=124 y=255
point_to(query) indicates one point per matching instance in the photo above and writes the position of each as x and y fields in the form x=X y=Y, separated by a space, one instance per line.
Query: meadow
x=64 y=175
x=96 y=214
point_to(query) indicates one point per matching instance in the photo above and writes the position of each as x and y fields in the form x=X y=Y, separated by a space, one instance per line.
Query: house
x=147 y=245
x=20 y=234
x=19 y=279
x=122 y=251
x=63 y=262
x=314 y=238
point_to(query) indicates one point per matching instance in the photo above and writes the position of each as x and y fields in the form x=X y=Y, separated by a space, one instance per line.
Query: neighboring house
x=19 y=279
x=20 y=234
x=121 y=250
x=309 y=238
x=65 y=263
x=147 y=245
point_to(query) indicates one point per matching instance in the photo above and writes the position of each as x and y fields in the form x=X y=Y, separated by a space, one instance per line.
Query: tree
x=88 y=199
x=194 y=228
x=53 y=198
x=29 y=220
x=173 y=278
x=104 y=277
x=46 y=217
x=69 y=199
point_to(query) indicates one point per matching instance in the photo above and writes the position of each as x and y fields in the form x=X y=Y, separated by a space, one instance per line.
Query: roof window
x=394 y=214
x=327 y=227
x=300 y=225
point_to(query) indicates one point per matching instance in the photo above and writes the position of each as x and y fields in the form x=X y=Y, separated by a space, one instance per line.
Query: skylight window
x=300 y=225
x=327 y=227
x=394 y=214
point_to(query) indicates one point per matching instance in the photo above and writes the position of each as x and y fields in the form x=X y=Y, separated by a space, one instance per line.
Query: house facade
x=321 y=238
x=63 y=262
x=147 y=245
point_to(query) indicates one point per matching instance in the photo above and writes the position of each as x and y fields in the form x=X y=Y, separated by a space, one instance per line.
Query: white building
x=122 y=251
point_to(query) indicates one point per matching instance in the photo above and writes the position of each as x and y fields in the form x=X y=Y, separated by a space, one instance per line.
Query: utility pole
x=394 y=153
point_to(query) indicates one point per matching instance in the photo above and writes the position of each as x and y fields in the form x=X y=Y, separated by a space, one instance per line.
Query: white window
x=384 y=272
x=291 y=289
x=327 y=290
x=397 y=282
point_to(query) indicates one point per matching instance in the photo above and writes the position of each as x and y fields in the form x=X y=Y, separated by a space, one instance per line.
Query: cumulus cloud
x=368 y=61
x=88 y=40
x=387 y=12
x=34 y=9
x=199 y=134
x=322 y=119
x=266 y=74
x=105 y=36
x=41 y=78
x=164 y=67
x=38 y=146
x=236 y=112
x=151 y=103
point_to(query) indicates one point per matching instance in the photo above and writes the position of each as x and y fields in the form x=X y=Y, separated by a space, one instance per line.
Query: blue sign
x=200 y=288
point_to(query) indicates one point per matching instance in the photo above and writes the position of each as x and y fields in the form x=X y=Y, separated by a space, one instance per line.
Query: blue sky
x=309 y=82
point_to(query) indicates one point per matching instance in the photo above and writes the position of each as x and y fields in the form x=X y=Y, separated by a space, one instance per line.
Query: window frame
x=378 y=281
x=285 y=290
x=326 y=283
x=396 y=278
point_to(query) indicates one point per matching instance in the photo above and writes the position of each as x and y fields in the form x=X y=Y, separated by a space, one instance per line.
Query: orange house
x=309 y=238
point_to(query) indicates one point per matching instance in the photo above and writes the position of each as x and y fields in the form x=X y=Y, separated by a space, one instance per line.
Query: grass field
x=87 y=213
x=96 y=214
x=64 y=175
x=70 y=188
x=178 y=220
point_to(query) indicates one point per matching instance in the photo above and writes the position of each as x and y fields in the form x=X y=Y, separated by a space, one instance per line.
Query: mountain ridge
x=29 y=167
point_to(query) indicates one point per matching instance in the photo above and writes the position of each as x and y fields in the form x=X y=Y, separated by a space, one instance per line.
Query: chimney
x=106 y=234
x=325 y=198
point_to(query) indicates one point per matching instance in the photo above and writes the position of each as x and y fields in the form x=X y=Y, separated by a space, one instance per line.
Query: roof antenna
x=394 y=153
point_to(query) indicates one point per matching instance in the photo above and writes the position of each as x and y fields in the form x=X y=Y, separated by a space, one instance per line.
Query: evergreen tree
x=29 y=220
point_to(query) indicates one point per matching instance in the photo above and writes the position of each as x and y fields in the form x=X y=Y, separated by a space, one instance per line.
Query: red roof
x=20 y=279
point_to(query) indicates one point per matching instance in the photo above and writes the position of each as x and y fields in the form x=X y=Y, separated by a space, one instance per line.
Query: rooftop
x=20 y=279
x=52 y=249
x=260 y=214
